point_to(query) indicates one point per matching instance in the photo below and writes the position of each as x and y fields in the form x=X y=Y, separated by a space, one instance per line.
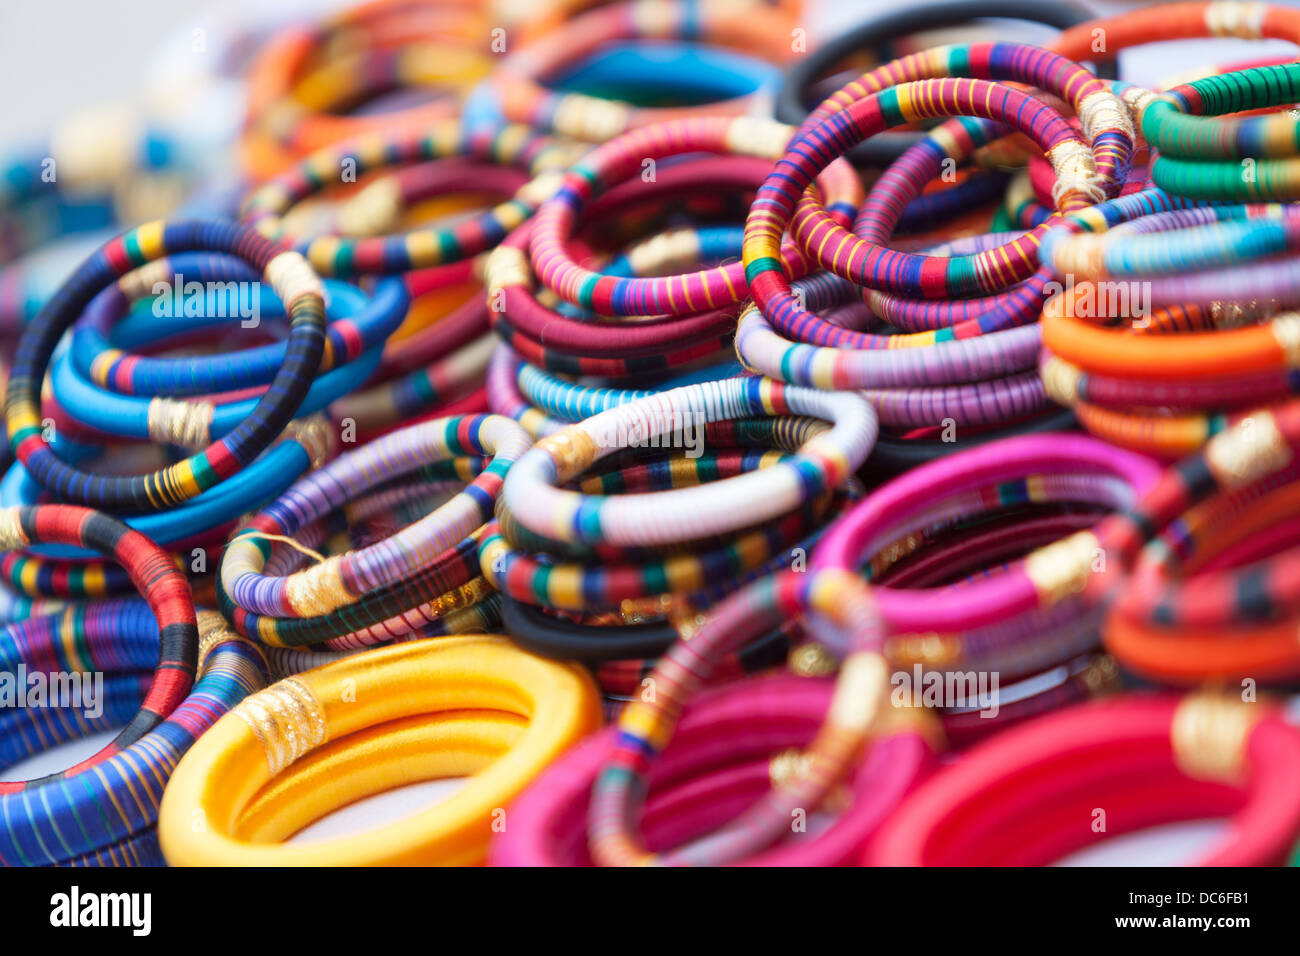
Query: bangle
x=1045 y=578
x=793 y=105
x=756 y=727
x=1180 y=621
x=1188 y=749
x=532 y=494
x=342 y=580
x=517 y=84
x=699 y=576
x=857 y=712
x=154 y=577
x=292 y=279
x=304 y=82
x=106 y=816
x=396 y=402
x=293 y=720
x=1178 y=122
x=1178 y=21
x=866 y=263
x=513 y=146
x=100 y=354
x=615 y=162
x=302 y=446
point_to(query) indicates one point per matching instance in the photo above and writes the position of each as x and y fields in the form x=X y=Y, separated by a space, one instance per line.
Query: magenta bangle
x=730 y=735
x=624 y=158
x=1045 y=578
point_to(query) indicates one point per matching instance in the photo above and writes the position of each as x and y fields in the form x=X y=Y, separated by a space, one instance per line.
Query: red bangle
x=1053 y=771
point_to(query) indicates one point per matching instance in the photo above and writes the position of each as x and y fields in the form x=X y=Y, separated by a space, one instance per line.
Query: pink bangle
x=723 y=757
x=1043 y=579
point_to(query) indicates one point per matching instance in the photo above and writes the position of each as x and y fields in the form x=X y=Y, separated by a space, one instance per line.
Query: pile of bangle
x=720 y=441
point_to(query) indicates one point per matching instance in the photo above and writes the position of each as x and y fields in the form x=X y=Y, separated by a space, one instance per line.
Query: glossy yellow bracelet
x=340 y=720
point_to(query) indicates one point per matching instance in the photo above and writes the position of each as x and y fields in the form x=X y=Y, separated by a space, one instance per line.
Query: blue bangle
x=101 y=343
x=266 y=478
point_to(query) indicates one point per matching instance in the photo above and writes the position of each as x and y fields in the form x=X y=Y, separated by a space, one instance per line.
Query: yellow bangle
x=215 y=810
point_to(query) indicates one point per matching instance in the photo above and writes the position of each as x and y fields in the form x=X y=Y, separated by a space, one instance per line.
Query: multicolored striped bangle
x=698 y=576
x=865 y=263
x=341 y=580
x=517 y=84
x=1106 y=128
x=287 y=272
x=740 y=739
x=858 y=711
x=421 y=248
x=793 y=106
x=305 y=82
x=1195 y=755
x=305 y=444
x=617 y=161
x=154 y=577
x=532 y=493
x=1181 y=621
x=105 y=814
x=304 y=722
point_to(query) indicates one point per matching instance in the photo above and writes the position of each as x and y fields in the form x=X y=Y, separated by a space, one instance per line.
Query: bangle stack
x=837 y=418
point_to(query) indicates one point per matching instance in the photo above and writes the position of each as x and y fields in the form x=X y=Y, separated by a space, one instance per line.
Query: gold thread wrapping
x=1076 y=171
x=540 y=188
x=1248 y=451
x=812 y=660
x=287 y=720
x=374 y=210
x=214 y=631
x=676 y=250
x=1060 y=380
x=1101 y=675
x=1229 y=19
x=292 y=277
x=1062 y=568
x=572 y=450
x=756 y=136
x=1104 y=110
x=861 y=696
x=506 y=266
x=173 y=421
x=1209 y=734
x=931 y=649
x=12 y=536
x=139 y=282
x=1286 y=330
x=591 y=119
x=315 y=435
x=318 y=589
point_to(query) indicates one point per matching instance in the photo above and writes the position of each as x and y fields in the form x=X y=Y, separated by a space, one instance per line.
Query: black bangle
x=560 y=639
x=893 y=456
x=884 y=148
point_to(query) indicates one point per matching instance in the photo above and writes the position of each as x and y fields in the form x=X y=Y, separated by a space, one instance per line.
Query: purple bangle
x=343 y=579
